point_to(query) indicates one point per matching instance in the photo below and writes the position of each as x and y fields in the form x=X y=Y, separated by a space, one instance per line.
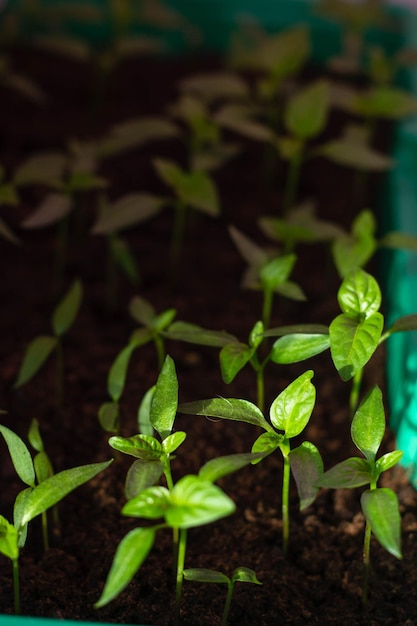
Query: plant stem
x=59 y=373
x=160 y=350
x=16 y=586
x=285 y=505
x=267 y=307
x=260 y=386
x=180 y=573
x=293 y=178
x=227 y=603
x=366 y=562
x=45 y=537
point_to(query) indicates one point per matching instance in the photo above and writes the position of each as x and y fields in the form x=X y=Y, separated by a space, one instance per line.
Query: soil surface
x=320 y=581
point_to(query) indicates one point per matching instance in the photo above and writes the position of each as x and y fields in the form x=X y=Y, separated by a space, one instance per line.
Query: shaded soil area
x=320 y=581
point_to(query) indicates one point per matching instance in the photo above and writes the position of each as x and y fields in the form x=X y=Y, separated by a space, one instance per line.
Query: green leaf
x=144 y=413
x=405 y=323
x=35 y=356
x=368 y=424
x=151 y=503
x=221 y=466
x=291 y=410
x=356 y=155
x=245 y=575
x=349 y=253
x=124 y=258
x=399 y=241
x=109 y=416
x=55 y=488
x=350 y=473
x=127 y=212
x=298 y=347
x=386 y=102
x=143 y=447
x=130 y=554
x=233 y=357
x=34 y=436
x=54 y=208
x=265 y=444
x=388 y=460
x=42 y=169
x=380 y=507
x=141 y=475
x=20 y=456
x=8 y=539
x=19 y=508
x=66 y=311
x=227 y=408
x=191 y=333
x=116 y=378
x=142 y=311
x=203 y=575
x=173 y=441
x=359 y=295
x=276 y=271
x=163 y=320
x=307 y=468
x=195 y=502
x=136 y=132
x=352 y=343
x=307 y=111
x=43 y=466
x=256 y=335
x=165 y=399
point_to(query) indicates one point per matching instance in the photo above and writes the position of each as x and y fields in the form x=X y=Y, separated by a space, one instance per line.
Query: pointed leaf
x=20 y=456
x=127 y=212
x=225 y=465
x=245 y=575
x=388 y=460
x=380 y=507
x=142 y=447
x=298 y=347
x=191 y=333
x=151 y=503
x=130 y=554
x=292 y=409
x=116 y=378
x=307 y=468
x=368 y=424
x=405 y=323
x=141 y=475
x=52 y=210
x=233 y=357
x=203 y=575
x=173 y=441
x=35 y=356
x=306 y=113
x=265 y=444
x=165 y=399
x=227 y=408
x=195 y=502
x=359 y=294
x=353 y=472
x=8 y=539
x=67 y=310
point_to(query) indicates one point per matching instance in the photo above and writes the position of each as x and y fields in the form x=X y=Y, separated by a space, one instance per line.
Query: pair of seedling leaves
x=43 y=490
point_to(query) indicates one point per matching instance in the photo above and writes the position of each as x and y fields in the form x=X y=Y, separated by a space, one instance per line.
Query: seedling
x=40 y=348
x=379 y=504
x=267 y=271
x=289 y=413
x=192 y=501
x=240 y=574
x=36 y=498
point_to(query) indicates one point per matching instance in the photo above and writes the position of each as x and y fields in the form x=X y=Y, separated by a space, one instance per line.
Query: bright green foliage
x=240 y=574
x=379 y=505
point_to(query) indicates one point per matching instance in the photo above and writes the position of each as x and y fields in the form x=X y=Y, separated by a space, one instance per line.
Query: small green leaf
x=307 y=468
x=127 y=212
x=34 y=436
x=359 y=295
x=144 y=413
x=20 y=455
x=109 y=416
x=35 y=356
x=195 y=502
x=298 y=347
x=151 y=503
x=142 y=311
x=173 y=441
x=163 y=320
x=292 y=409
x=43 y=466
x=388 y=460
x=352 y=342
x=66 y=311
x=116 y=378
x=191 y=333
x=130 y=554
x=124 y=258
x=256 y=335
x=380 y=507
x=307 y=111
x=225 y=465
x=141 y=475
x=165 y=399
x=227 y=408
x=350 y=473
x=143 y=447
x=245 y=575
x=55 y=488
x=53 y=209
x=368 y=424
x=203 y=575
x=265 y=444
x=233 y=357
x=8 y=539
x=405 y=323
x=277 y=270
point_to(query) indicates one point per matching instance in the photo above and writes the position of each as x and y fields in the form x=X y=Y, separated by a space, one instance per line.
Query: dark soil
x=320 y=582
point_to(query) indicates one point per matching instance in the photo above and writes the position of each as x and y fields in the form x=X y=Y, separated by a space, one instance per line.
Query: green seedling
x=193 y=189
x=289 y=415
x=192 y=501
x=40 y=348
x=379 y=504
x=36 y=498
x=240 y=574
x=157 y=328
x=267 y=271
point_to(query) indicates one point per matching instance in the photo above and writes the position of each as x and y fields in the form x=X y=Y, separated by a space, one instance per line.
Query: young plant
x=379 y=504
x=267 y=271
x=192 y=501
x=36 y=498
x=289 y=415
x=240 y=574
x=40 y=348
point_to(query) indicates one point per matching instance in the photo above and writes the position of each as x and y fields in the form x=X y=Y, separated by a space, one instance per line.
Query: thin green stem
x=180 y=573
x=160 y=350
x=267 y=307
x=227 y=603
x=285 y=505
x=366 y=561
x=45 y=537
x=16 y=586
x=291 y=187
x=59 y=373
